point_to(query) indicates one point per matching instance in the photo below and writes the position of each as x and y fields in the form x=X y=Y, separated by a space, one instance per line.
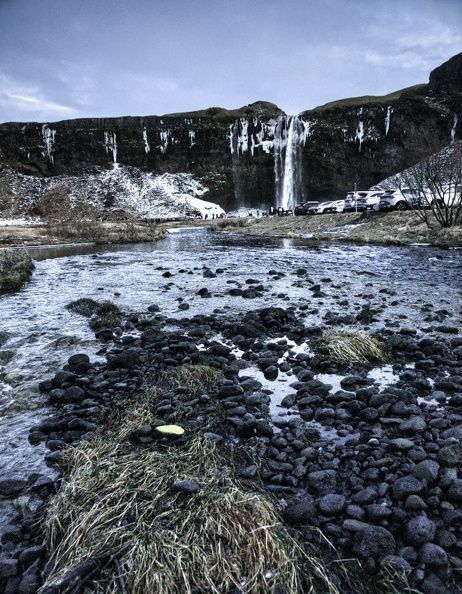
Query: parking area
x=397 y=199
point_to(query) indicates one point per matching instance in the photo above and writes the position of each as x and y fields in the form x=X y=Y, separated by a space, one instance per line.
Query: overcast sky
x=63 y=59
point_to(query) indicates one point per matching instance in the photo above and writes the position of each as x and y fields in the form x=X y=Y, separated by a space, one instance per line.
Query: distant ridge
x=259 y=108
x=366 y=99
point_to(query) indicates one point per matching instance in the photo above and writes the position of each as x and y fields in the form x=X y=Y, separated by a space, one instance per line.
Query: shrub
x=16 y=267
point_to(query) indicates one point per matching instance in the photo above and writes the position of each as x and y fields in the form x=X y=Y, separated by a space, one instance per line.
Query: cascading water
x=285 y=137
x=289 y=137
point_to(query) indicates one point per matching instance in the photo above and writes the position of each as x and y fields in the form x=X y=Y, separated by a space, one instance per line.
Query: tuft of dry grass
x=194 y=377
x=16 y=267
x=120 y=524
x=119 y=508
x=350 y=346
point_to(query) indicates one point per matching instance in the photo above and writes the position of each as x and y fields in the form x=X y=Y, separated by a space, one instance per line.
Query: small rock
x=186 y=486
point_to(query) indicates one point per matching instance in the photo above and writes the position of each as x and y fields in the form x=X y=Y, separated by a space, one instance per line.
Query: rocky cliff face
x=256 y=156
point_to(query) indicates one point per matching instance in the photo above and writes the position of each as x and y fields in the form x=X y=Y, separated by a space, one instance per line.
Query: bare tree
x=438 y=181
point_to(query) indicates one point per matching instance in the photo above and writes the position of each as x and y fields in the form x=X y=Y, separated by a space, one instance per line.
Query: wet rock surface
x=375 y=467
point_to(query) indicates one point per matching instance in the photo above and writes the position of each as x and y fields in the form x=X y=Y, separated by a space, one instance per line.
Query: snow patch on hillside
x=120 y=190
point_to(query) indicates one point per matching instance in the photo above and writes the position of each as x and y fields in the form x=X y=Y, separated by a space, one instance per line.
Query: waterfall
x=147 y=148
x=453 y=130
x=388 y=119
x=289 y=137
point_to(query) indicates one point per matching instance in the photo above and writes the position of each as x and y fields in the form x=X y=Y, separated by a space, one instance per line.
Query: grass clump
x=230 y=224
x=84 y=306
x=193 y=377
x=350 y=346
x=120 y=505
x=16 y=267
x=105 y=314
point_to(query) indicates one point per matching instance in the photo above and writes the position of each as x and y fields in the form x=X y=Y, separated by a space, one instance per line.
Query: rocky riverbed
x=368 y=455
x=375 y=467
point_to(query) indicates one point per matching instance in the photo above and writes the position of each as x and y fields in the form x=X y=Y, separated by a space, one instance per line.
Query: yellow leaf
x=170 y=430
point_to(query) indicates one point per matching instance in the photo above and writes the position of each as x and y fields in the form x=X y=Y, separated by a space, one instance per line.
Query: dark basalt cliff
x=242 y=155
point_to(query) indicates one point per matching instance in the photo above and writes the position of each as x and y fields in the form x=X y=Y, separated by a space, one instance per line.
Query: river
x=400 y=283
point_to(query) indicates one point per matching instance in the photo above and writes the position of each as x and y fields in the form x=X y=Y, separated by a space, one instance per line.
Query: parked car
x=355 y=200
x=304 y=207
x=449 y=195
x=331 y=206
x=312 y=210
x=368 y=200
x=401 y=199
x=350 y=201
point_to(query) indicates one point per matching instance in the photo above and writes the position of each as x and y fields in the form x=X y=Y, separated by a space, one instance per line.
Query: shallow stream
x=402 y=284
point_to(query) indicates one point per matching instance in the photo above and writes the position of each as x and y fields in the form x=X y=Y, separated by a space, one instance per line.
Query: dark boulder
x=10 y=487
x=373 y=541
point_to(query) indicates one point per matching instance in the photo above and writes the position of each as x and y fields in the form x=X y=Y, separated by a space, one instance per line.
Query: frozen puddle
x=282 y=386
x=382 y=376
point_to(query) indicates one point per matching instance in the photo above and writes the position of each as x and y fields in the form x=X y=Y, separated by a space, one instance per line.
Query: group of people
x=279 y=211
x=273 y=212
x=214 y=216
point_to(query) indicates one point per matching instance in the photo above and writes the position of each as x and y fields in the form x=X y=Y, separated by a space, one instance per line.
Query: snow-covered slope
x=143 y=195
x=444 y=167
x=122 y=189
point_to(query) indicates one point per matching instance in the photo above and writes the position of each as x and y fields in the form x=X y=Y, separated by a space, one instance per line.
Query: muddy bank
x=80 y=232
x=400 y=228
